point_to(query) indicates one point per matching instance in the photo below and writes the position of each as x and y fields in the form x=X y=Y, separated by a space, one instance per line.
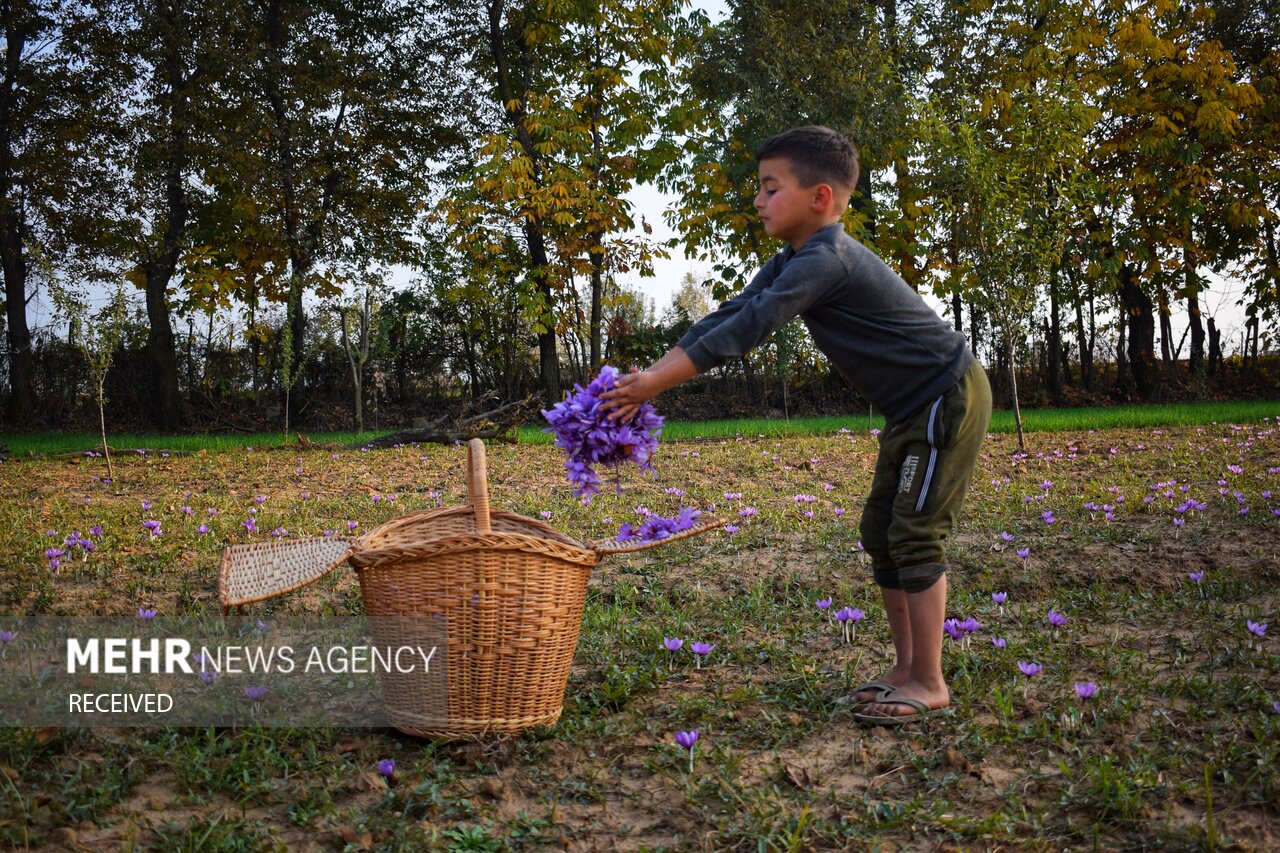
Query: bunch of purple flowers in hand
x=591 y=439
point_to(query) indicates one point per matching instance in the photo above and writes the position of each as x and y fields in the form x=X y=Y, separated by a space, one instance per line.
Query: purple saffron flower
x=1057 y=619
x=146 y=614
x=824 y=603
x=6 y=637
x=844 y=614
x=351 y=525
x=731 y=529
x=202 y=529
x=207 y=676
x=687 y=740
x=999 y=642
x=673 y=644
x=952 y=628
x=1006 y=536
x=1086 y=689
x=96 y=530
x=1030 y=670
x=999 y=597
x=255 y=691
x=1024 y=553
x=1048 y=517
x=701 y=650
x=1258 y=629
x=153 y=526
x=1196 y=576
x=747 y=512
x=387 y=767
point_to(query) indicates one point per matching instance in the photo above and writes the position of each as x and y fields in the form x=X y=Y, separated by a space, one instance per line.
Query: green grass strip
x=1033 y=420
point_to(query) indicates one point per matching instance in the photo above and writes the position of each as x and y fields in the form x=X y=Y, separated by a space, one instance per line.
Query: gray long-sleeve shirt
x=895 y=350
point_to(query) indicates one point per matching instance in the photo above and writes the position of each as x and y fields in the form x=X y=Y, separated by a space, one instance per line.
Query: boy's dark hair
x=817 y=154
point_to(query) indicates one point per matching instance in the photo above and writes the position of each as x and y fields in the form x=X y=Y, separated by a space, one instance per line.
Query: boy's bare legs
x=925 y=612
x=895 y=608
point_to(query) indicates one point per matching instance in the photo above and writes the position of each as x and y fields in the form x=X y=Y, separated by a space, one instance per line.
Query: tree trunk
x=1139 y=314
x=1053 y=341
x=12 y=232
x=159 y=268
x=1215 y=347
x=1197 y=335
x=1122 y=360
x=1166 y=329
x=1013 y=390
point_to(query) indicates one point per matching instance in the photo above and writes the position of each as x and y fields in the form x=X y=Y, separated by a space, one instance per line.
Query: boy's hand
x=623 y=400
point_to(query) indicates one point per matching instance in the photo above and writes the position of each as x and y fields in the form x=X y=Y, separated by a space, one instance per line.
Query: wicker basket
x=505 y=592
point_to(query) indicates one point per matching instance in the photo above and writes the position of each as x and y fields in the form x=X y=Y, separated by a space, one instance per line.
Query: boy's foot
x=864 y=694
x=907 y=700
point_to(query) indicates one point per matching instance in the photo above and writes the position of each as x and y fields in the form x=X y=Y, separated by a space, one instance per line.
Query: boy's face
x=789 y=211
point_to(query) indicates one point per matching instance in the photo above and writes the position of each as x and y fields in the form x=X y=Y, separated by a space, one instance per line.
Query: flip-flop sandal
x=920 y=708
x=880 y=688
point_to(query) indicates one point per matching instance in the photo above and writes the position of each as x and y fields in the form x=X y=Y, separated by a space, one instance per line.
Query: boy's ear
x=823 y=196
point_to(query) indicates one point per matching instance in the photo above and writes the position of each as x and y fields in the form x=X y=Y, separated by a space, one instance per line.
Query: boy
x=898 y=353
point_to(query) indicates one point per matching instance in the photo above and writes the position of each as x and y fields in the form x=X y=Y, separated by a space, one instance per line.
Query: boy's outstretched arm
x=639 y=386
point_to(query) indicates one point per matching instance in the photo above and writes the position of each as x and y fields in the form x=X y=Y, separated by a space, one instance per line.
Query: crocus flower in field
x=1024 y=553
x=153 y=526
x=207 y=676
x=146 y=614
x=351 y=525
x=999 y=642
x=701 y=650
x=255 y=691
x=1057 y=619
x=203 y=529
x=731 y=529
x=673 y=644
x=1030 y=670
x=1006 y=536
x=824 y=605
x=96 y=530
x=1086 y=689
x=6 y=637
x=999 y=597
x=249 y=525
x=1196 y=576
x=747 y=512
x=1258 y=629
x=387 y=767
x=687 y=740
x=952 y=629
x=1047 y=517
x=546 y=515
x=54 y=555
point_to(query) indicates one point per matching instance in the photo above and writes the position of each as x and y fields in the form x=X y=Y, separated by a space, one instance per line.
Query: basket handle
x=478 y=484
x=604 y=547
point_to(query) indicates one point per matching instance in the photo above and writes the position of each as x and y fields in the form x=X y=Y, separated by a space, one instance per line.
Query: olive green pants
x=922 y=473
